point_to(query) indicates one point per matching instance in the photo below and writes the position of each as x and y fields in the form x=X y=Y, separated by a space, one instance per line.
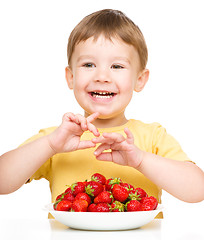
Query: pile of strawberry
x=101 y=195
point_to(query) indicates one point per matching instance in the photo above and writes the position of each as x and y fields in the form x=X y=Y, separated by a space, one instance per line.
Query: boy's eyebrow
x=125 y=59
x=84 y=57
x=115 y=58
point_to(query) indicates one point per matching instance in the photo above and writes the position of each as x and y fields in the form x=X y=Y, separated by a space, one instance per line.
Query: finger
x=68 y=116
x=105 y=157
x=86 y=144
x=130 y=137
x=76 y=118
x=92 y=117
x=100 y=139
x=93 y=129
x=101 y=148
x=116 y=137
x=109 y=138
x=81 y=120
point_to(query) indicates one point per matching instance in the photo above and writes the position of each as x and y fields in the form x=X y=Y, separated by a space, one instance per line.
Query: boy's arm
x=18 y=165
x=183 y=180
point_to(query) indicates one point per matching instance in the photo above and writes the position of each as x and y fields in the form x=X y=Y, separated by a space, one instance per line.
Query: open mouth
x=102 y=94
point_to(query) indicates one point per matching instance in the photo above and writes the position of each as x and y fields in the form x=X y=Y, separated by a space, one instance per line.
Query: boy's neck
x=110 y=122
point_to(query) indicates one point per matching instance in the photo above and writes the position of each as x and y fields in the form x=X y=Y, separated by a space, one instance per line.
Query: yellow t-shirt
x=66 y=168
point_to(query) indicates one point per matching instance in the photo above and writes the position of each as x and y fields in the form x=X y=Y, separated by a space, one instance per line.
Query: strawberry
x=103 y=207
x=63 y=205
x=59 y=197
x=120 y=193
x=77 y=187
x=97 y=177
x=83 y=196
x=104 y=197
x=133 y=205
x=68 y=190
x=117 y=206
x=137 y=194
x=128 y=186
x=111 y=182
x=79 y=206
x=133 y=195
x=85 y=182
x=63 y=196
x=92 y=207
x=148 y=203
x=69 y=196
x=93 y=188
x=141 y=192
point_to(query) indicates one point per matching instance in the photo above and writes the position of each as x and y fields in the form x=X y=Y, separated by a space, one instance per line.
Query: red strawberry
x=104 y=197
x=141 y=192
x=85 y=182
x=93 y=188
x=63 y=205
x=92 y=207
x=137 y=194
x=128 y=186
x=83 y=196
x=64 y=196
x=133 y=195
x=120 y=193
x=68 y=190
x=59 y=197
x=117 y=206
x=97 y=177
x=148 y=203
x=69 y=196
x=133 y=205
x=111 y=182
x=79 y=206
x=77 y=187
x=103 y=207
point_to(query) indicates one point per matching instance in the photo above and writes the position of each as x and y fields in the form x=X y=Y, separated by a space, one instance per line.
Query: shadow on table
x=149 y=231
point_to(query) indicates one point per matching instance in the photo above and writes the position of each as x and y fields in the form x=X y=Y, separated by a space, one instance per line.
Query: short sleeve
x=44 y=170
x=167 y=146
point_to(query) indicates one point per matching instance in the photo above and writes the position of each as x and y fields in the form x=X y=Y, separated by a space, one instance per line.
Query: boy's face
x=103 y=75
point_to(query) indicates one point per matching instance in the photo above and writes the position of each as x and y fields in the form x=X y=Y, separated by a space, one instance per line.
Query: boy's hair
x=110 y=23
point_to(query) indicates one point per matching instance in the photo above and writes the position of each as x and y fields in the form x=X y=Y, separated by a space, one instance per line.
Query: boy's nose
x=102 y=76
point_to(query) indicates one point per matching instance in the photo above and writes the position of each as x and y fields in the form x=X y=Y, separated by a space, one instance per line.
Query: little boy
x=107 y=58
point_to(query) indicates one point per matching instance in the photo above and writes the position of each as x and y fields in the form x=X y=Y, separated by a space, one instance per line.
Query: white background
x=34 y=94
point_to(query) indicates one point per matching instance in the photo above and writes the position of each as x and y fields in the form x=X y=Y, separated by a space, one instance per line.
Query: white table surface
x=181 y=222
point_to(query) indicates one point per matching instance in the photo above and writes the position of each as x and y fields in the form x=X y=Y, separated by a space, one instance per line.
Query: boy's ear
x=141 y=80
x=69 y=77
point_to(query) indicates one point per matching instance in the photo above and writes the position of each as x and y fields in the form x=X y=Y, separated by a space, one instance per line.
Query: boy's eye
x=88 y=65
x=116 y=66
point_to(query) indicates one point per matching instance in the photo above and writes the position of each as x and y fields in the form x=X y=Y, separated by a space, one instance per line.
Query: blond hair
x=110 y=23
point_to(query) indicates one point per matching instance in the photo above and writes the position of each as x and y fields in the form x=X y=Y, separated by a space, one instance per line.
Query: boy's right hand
x=66 y=137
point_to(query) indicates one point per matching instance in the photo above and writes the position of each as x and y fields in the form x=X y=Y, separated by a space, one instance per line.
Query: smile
x=102 y=94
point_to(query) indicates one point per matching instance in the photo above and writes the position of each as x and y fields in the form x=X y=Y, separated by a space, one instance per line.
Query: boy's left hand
x=123 y=150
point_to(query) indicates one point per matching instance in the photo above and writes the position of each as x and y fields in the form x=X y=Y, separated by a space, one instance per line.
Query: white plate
x=104 y=220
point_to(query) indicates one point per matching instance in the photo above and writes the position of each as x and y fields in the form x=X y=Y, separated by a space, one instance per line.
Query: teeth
x=102 y=94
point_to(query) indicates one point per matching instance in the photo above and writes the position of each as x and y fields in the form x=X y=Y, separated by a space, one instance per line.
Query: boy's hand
x=66 y=137
x=123 y=150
